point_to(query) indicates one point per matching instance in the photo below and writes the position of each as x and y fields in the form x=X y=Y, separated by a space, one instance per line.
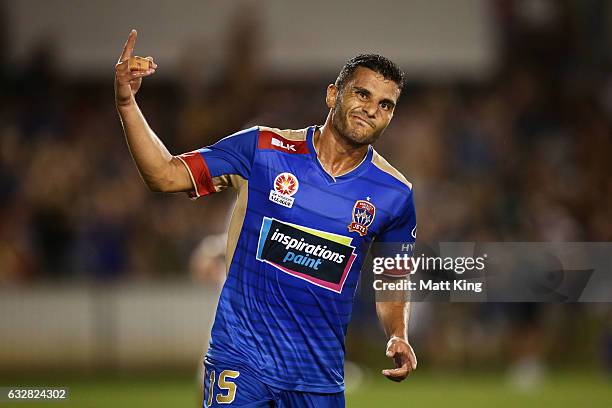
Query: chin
x=360 y=138
x=356 y=135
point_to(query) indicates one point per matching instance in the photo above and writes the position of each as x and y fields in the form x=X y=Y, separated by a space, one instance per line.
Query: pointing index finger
x=129 y=46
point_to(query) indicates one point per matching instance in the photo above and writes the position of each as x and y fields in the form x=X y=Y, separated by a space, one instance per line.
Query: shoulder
x=383 y=165
x=289 y=134
x=282 y=140
x=262 y=131
x=268 y=138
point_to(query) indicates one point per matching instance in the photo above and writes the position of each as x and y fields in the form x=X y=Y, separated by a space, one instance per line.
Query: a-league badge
x=363 y=216
x=285 y=185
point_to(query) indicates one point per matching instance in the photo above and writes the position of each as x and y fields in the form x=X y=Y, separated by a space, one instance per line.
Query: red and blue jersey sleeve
x=210 y=168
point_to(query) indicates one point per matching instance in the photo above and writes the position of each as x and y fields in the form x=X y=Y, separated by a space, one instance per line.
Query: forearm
x=394 y=317
x=152 y=158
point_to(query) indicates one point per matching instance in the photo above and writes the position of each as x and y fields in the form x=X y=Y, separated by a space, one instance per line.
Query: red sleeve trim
x=200 y=175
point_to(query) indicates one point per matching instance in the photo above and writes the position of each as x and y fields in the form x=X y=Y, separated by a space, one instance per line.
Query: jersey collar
x=355 y=172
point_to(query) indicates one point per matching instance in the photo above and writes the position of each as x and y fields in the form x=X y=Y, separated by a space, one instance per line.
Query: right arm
x=160 y=170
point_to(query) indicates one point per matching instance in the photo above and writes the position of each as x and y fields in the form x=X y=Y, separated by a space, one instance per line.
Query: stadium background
x=503 y=128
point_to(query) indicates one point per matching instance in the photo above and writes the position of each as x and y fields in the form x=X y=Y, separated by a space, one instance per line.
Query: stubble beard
x=340 y=124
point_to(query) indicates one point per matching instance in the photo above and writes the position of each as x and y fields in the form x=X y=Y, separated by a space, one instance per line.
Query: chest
x=293 y=189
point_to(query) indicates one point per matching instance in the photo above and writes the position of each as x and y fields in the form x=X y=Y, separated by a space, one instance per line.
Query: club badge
x=285 y=185
x=363 y=216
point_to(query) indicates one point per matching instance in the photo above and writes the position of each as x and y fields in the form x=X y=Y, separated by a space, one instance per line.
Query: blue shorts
x=225 y=385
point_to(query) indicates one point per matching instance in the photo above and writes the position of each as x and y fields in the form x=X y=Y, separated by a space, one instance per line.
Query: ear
x=330 y=98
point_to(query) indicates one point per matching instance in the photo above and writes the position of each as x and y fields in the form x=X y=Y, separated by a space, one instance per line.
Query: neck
x=336 y=154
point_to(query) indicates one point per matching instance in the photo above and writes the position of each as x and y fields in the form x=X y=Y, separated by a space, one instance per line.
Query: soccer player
x=310 y=203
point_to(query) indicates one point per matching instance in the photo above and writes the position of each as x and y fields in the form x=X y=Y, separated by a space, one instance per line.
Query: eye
x=362 y=95
x=385 y=106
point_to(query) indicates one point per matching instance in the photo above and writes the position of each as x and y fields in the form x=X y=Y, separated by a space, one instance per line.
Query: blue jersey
x=296 y=243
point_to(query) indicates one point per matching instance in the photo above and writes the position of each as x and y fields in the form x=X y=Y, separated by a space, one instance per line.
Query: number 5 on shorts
x=225 y=385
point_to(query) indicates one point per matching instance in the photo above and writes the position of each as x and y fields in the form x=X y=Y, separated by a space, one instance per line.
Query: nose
x=369 y=108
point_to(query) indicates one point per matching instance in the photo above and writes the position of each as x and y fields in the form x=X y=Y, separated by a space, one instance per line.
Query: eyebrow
x=367 y=92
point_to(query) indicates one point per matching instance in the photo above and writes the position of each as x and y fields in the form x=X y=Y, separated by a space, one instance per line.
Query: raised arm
x=159 y=169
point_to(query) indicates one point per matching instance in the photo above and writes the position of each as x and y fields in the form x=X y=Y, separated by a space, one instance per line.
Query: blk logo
x=282 y=145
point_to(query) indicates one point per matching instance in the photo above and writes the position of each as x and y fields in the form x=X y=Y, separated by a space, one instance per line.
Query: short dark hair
x=376 y=63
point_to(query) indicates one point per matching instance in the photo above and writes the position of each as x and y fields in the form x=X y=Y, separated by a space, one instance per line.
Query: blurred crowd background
x=521 y=153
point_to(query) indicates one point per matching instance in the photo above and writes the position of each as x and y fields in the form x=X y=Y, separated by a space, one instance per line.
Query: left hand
x=405 y=360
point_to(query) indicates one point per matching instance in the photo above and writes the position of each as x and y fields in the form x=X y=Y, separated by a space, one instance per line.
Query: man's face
x=364 y=108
